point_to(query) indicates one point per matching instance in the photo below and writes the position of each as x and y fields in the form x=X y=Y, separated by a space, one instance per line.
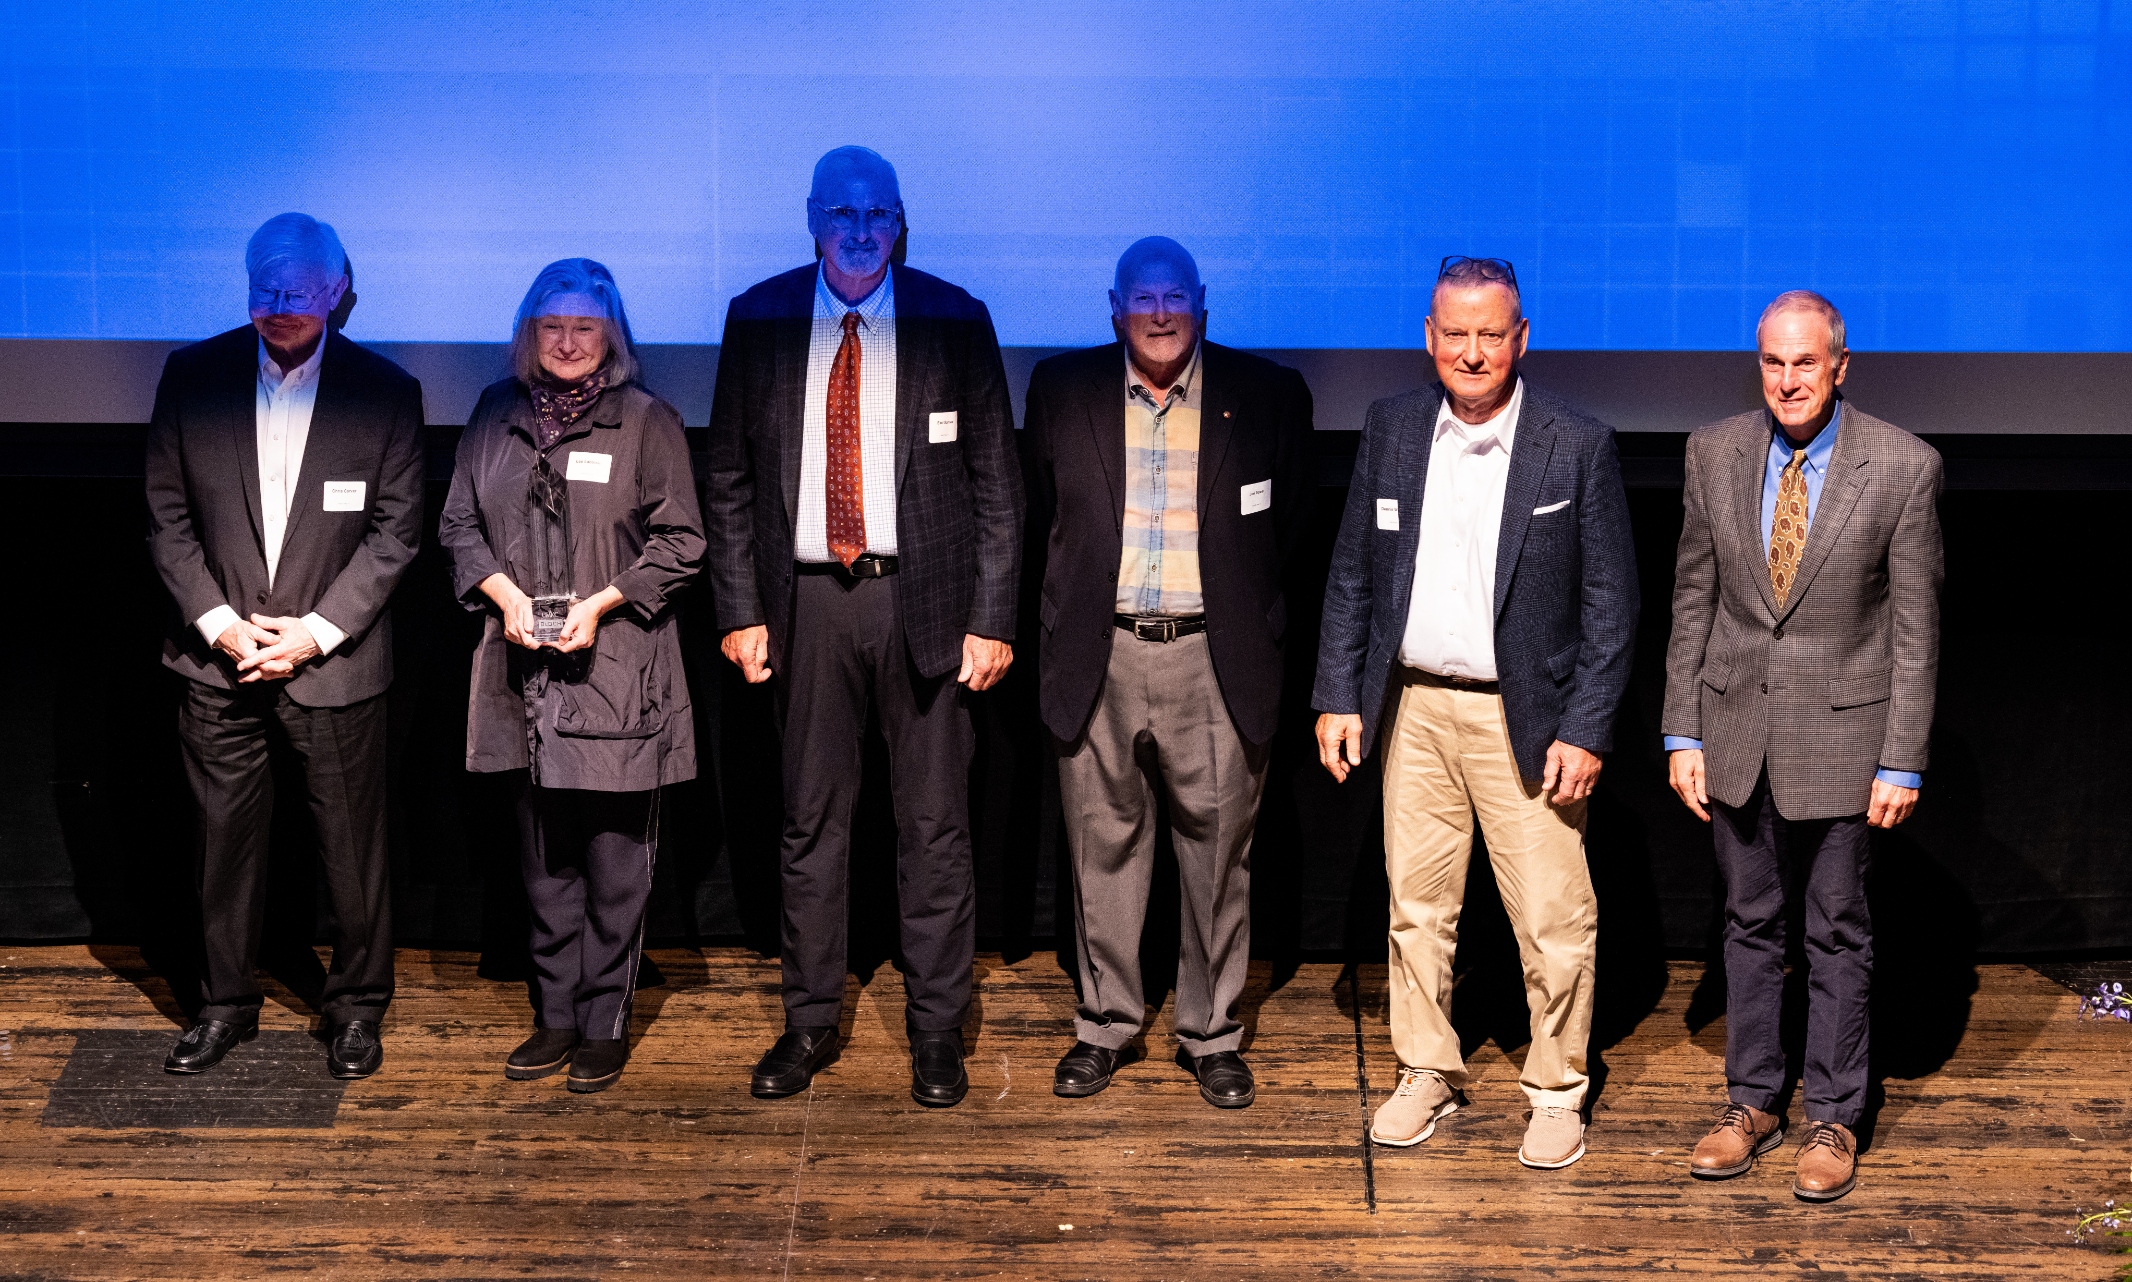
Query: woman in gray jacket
x=572 y=524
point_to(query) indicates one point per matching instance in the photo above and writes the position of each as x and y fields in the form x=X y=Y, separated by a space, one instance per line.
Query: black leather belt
x=1426 y=677
x=1159 y=629
x=868 y=566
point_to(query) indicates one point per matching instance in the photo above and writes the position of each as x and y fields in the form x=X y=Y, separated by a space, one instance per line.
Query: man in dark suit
x=863 y=507
x=1799 y=689
x=285 y=501
x=1481 y=609
x=1171 y=476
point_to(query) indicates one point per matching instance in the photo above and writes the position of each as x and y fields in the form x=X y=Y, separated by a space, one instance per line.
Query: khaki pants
x=1446 y=759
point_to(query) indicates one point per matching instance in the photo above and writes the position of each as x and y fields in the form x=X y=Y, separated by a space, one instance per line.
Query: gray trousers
x=1160 y=722
x=1767 y=860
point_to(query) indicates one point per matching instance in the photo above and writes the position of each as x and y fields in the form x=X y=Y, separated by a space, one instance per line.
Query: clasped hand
x=267 y=649
x=580 y=626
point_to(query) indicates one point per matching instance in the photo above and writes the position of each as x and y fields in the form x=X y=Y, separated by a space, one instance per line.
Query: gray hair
x=1478 y=273
x=1806 y=300
x=574 y=276
x=298 y=238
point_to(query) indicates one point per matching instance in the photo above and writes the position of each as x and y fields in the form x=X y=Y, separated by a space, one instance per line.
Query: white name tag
x=940 y=428
x=1387 y=514
x=587 y=466
x=1258 y=497
x=344 y=496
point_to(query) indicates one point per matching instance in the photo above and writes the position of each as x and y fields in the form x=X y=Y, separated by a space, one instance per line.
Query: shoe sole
x=1079 y=1090
x=355 y=1074
x=590 y=1085
x=1228 y=1101
x=537 y=1071
x=1426 y=1131
x=942 y=1103
x=1773 y=1140
x=1555 y=1165
x=1826 y=1195
x=759 y=1091
x=245 y=1036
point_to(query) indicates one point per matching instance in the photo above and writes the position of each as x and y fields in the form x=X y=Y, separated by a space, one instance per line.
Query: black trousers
x=230 y=738
x=1766 y=860
x=847 y=650
x=587 y=858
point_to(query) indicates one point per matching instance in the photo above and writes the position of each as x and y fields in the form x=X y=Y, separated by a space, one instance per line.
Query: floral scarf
x=557 y=406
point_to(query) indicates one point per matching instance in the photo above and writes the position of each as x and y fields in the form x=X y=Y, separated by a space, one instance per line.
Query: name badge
x=940 y=428
x=1258 y=496
x=587 y=466
x=344 y=496
x=1387 y=514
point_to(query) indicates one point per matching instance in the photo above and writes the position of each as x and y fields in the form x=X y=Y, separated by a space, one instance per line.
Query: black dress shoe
x=1086 y=1069
x=542 y=1055
x=597 y=1064
x=1224 y=1078
x=205 y=1043
x=937 y=1076
x=355 y=1050
x=786 y=1068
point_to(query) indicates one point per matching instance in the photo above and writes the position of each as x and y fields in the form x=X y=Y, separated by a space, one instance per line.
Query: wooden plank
x=439 y=1168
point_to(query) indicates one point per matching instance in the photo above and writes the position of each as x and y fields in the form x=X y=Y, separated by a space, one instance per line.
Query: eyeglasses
x=847 y=219
x=284 y=300
x=1486 y=268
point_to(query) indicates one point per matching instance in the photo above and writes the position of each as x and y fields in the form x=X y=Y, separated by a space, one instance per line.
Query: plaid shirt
x=1158 y=568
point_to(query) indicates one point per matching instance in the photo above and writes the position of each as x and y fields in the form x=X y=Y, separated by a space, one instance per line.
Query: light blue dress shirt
x=1815 y=470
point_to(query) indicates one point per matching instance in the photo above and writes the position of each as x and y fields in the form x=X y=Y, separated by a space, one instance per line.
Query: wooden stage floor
x=439 y=1168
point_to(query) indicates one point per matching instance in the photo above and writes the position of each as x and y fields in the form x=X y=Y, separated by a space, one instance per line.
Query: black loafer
x=355 y=1050
x=1086 y=1069
x=205 y=1043
x=542 y=1055
x=937 y=1076
x=597 y=1064
x=787 y=1068
x=1224 y=1078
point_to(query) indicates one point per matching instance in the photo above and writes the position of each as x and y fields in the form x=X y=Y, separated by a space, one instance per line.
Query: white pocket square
x=1552 y=507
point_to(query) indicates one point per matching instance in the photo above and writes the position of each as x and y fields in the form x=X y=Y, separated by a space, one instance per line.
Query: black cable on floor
x=1362 y=1090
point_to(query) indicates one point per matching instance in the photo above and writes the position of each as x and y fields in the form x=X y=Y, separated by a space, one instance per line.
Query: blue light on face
x=1955 y=177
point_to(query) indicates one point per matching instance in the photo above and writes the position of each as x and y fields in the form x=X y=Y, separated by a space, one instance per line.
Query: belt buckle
x=1164 y=630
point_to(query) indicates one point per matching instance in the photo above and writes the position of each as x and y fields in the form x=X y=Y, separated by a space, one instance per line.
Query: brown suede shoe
x=1828 y=1162
x=1741 y=1135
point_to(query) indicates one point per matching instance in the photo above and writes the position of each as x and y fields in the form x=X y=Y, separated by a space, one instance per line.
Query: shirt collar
x=1187 y=383
x=271 y=376
x=871 y=309
x=1502 y=429
x=1818 y=451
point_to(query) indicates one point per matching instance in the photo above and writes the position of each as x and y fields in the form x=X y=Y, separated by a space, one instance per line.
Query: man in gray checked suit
x=1799 y=687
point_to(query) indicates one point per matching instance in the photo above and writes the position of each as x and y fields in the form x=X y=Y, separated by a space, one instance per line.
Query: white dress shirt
x=877 y=419
x=1451 y=614
x=284 y=402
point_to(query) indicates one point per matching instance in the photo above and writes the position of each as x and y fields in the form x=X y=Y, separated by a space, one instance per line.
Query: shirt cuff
x=1676 y=743
x=216 y=622
x=324 y=633
x=1900 y=778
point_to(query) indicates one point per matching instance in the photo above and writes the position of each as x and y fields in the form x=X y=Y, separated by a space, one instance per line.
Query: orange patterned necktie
x=1787 y=531
x=844 y=481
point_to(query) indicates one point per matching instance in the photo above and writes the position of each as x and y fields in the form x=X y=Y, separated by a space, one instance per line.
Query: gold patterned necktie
x=1787 y=529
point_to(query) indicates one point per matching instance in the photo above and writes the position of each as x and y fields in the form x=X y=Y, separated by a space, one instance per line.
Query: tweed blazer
x=1839 y=683
x=1565 y=575
x=958 y=502
x=204 y=526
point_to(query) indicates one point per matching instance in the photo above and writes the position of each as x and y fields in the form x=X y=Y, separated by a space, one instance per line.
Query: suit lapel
x=1417 y=437
x=1530 y=451
x=1102 y=396
x=917 y=338
x=244 y=435
x=1840 y=492
x=1217 y=423
x=1750 y=470
x=328 y=408
x=793 y=334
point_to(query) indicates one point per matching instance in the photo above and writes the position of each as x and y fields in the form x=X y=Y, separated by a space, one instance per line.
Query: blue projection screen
x=1956 y=174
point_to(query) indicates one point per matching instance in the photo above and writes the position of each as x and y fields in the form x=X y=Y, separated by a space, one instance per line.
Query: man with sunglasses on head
x=284 y=503
x=863 y=507
x=1478 y=620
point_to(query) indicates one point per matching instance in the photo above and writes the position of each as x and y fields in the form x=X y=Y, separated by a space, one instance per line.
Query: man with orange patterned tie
x=863 y=507
x=1799 y=688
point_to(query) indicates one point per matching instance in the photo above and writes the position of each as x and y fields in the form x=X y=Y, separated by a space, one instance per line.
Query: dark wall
x=2015 y=848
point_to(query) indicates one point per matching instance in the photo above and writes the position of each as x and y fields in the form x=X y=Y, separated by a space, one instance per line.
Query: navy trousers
x=1767 y=860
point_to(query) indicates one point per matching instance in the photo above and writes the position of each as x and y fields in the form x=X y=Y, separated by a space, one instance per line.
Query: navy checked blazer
x=958 y=503
x=1565 y=582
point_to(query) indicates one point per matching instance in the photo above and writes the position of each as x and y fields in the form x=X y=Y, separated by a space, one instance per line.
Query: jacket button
x=1765 y=687
x=1778 y=635
x=262 y=598
x=1113 y=576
